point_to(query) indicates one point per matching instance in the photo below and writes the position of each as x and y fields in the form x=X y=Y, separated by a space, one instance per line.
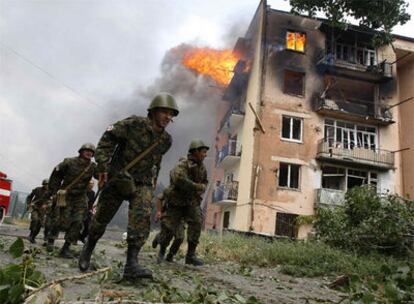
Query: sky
x=70 y=68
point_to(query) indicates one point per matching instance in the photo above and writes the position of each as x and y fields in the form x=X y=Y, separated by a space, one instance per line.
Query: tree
x=379 y=15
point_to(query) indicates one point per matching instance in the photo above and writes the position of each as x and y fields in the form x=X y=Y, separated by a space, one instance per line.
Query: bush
x=368 y=222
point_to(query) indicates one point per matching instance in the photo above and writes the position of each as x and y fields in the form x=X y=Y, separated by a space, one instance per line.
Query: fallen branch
x=61 y=280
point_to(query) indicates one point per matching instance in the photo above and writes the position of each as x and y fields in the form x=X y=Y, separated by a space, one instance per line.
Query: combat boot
x=191 y=257
x=32 y=238
x=132 y=269
x=161 y=254
x=49 y=245
x=65 y=252
x=173 y=250
x=86 y=253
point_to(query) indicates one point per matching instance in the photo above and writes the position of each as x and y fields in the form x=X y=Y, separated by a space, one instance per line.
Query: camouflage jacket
x=67 y=171
x=37 y=197
x=124 y=141
x=188 y=180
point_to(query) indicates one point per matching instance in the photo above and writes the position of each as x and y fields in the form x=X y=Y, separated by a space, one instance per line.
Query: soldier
x=129 y=157
x=36 y=203
x=91 y=199
x=162 y=206
x=68 y=184
x=188 y=182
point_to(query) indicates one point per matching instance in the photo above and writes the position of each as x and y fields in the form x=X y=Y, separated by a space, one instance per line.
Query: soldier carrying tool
x=129 y=156
x=188 y=181
x=68 y=185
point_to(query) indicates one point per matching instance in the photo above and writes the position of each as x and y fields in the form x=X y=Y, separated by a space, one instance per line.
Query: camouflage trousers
x=164 y=237
x=175 y=216
x=37 y=219
x=139 y=213
x=69 y=218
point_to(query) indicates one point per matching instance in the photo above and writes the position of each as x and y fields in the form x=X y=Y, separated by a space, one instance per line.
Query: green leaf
x=4 y=293
x=239 y=298
x=17 y=248
x=16 y=293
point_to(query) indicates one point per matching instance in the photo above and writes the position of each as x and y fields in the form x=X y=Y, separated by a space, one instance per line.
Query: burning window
x=295 y=41
x=289 y=176
x=292 y=128
x=294 y=83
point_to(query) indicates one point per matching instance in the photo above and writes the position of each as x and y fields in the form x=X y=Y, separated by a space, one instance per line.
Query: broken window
x=292 y=128
x=293 y=83
x=345 y=135
x=339 y=178
x=286 y=225
x=289 y=176
x=295 y=41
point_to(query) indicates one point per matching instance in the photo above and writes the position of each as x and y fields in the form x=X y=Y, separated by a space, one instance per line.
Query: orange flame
x=218 y=64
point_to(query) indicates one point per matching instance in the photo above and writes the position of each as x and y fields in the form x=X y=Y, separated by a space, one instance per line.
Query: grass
x=295 y=258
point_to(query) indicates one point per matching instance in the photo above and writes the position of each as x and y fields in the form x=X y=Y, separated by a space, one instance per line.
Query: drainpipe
x=256 y=179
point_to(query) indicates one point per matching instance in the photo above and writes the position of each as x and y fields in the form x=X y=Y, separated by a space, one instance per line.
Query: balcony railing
x=362 y=69
x=329 y=198
x=229 y=154
x=366 y=111
x=231 y=120
x=334 y=151
x=226 y=192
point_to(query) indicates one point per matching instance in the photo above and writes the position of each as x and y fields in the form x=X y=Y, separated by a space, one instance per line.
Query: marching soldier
x=188 y=183
x=68 y=185
x=162 y=206
x=36 y=203
x=129 y=156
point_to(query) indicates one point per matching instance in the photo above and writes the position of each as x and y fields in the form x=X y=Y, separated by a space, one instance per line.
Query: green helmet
x=164 y=100
x=45 y=182
x=87 y=146
x=197 y=144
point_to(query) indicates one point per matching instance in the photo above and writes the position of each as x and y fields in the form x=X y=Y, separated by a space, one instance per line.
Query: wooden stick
x=257 y=118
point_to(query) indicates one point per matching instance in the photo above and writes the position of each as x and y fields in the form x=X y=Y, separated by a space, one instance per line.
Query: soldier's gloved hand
x=102 y=179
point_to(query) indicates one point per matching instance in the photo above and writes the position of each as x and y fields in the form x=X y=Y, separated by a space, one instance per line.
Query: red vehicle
x=5 y=192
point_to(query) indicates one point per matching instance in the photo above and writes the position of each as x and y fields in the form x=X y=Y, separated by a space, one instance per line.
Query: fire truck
x=5 y=192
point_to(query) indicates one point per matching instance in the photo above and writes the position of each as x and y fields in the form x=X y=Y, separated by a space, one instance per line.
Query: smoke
x=197 y=98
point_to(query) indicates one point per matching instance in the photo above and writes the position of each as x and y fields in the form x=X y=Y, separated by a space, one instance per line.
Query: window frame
x=291 y=118
x=295 y=33
x=288 y=187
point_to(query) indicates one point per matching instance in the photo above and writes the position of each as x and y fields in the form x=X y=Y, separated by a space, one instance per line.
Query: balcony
x=357 y=110
x=364 y=68
x=329 y=198
x=333 y=152
x=226 y=193
x=229 y=155
x=231 y=121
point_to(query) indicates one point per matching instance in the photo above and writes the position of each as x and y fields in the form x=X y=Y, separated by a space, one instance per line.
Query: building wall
x=405 y=69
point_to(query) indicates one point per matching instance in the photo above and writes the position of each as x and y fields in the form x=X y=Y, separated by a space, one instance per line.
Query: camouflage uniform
x=179 y=230
x=119 y=145
x=87 y=220
x=70 y=218
x=188 y=182
x=37 y=201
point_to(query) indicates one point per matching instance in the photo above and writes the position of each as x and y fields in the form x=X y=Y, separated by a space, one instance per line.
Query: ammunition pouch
x=61 y=198
x=125 y=184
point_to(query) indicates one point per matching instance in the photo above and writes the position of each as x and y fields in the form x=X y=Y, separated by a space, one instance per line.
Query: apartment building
x=308 y=115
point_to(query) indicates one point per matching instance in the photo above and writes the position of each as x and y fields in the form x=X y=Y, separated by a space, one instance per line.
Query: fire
x=218 y=64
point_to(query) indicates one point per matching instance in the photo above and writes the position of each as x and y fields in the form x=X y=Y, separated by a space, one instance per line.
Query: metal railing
x=232 y=148
x=337 y=150
x=226 y=191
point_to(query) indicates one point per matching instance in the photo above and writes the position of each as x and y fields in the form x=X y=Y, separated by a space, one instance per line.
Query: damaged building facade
x=307 y=116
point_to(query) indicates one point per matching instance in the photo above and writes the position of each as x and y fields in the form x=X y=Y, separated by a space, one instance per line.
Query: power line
x=25 y=59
